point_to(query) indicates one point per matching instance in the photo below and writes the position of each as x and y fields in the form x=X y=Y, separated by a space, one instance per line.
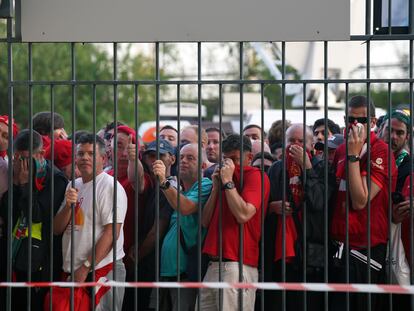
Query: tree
x=52 y=62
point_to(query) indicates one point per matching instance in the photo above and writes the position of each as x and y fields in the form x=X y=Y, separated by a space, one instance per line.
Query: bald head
x=189 y=135
x=189 y=163
x=192 y=148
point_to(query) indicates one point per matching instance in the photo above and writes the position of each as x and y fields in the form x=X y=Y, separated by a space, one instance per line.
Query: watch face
x=165 y=185
x=229 y=185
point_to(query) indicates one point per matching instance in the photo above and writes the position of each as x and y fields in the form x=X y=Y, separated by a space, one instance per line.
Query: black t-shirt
x=150 y=209
x=403 y=172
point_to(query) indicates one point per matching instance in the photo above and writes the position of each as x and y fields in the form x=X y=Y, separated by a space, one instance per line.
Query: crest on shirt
x=378 y=163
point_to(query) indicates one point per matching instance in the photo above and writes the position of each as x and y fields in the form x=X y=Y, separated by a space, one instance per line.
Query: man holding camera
x=362 y=196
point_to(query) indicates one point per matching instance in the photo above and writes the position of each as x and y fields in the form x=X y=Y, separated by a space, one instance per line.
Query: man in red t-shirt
x=239 y=208
x=125 y=137
x=359 y=125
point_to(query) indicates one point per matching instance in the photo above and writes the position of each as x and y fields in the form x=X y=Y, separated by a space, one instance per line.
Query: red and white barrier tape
x=314 y=287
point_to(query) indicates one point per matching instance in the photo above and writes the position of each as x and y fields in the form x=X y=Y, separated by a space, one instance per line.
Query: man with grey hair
x=289 y=213
x=82 y=197
x=188 y=204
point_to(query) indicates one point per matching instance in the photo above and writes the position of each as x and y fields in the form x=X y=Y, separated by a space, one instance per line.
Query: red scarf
x=294 y=171
x=40 y=168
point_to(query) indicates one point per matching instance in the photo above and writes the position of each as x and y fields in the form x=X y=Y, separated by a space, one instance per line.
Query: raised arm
x=210 y=205
x=241 y=210
x=133 y=171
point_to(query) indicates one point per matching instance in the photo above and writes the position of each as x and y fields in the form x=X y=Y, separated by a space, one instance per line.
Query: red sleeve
x=252 y=189
x=147 y=182
x=380 y=159
x=339 y=154
x=406 y=188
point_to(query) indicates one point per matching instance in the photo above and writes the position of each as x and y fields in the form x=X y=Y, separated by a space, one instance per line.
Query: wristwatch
x=165 y=185
x=229 y=185
x=353 y=158
x=87 y=264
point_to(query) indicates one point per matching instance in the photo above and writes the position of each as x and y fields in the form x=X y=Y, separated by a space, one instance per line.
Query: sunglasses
x=362 y=120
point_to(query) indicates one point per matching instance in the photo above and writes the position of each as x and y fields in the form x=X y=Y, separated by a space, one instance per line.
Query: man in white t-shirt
x=82 y=196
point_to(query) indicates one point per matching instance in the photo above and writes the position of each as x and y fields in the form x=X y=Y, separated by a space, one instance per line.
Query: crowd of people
x=74 y=220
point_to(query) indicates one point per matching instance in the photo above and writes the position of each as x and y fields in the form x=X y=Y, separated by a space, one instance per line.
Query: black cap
x=333 y=142
x=164 y=147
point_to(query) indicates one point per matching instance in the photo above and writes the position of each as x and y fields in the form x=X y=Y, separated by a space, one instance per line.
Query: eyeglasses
x=362 y=120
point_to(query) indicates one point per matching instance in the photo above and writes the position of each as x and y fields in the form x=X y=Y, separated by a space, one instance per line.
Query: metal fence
x=29 y=85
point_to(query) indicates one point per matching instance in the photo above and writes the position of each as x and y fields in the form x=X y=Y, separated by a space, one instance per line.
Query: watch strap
x=229 y=185
x=353 y=158
x=165 y=184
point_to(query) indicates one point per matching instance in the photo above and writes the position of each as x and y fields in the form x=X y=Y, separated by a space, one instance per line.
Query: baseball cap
x=333 y=142
x=62 y=154
x=164 y=147
x=399 y=114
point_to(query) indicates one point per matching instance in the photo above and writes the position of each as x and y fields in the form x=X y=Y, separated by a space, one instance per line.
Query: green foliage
x=379 y=95
x=53 y=63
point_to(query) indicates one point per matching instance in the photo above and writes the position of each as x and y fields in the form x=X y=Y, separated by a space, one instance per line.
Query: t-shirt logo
x=378 y=163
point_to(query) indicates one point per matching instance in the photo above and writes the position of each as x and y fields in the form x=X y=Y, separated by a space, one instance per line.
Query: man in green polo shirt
x=189 y=199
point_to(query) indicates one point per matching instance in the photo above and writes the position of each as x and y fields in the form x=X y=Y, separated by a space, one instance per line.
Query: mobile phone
x=355 y=122
x=397 y=197
x=358 y=125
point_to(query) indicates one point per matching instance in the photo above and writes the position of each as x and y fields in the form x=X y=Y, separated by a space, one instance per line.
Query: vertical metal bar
x=72 y=207
x=178 y=198
x=411 y=162
x=367 y=17
x=241 y=233
x=368 y=44
x=52 y=191
x=284 y=174
x=347 y=198
x=115 y=166
x=304 y=210
x=136 y=199
x=157 y=189
x=262 y=207
x=220 y=225
x=390 y=190
x=199 y=175
x=30 y=216
x=325 y=194
x=10 y=152
x=94 y=195
x=411 y=17
x=389 y=17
